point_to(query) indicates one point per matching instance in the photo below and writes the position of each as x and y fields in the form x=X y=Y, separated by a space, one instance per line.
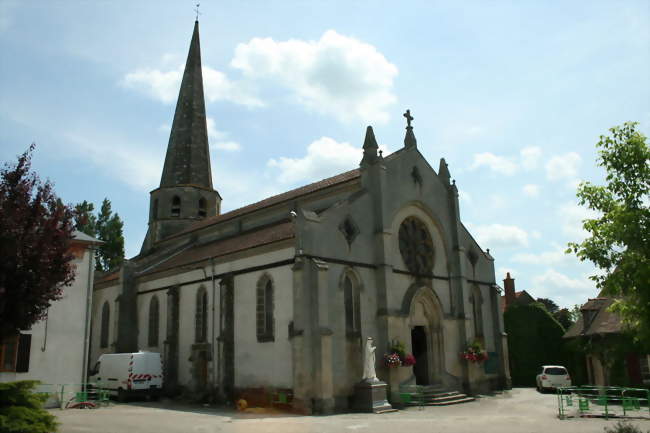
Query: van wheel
x=121 y=395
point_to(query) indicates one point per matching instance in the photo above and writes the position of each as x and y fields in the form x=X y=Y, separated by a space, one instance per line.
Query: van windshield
x=556 y=371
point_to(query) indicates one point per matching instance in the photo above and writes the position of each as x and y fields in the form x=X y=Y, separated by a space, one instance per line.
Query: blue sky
x=513 y=94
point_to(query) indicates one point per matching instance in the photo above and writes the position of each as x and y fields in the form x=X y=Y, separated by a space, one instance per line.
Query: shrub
x=21 y=410
x=623 y=427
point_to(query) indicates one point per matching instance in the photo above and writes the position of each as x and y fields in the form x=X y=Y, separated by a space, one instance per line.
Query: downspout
x=215 y=356
x=89 y=298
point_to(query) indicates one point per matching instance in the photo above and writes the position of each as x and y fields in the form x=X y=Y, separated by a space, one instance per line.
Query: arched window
x=265 y=306
x=176 y=206
x=202 y=208
x=477 y=311
x=201 y=318
x=154 y=314
x=106 y=320
x=154 y=211
x=352 y=300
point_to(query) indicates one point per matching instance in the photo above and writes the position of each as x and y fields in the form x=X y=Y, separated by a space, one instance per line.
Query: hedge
x=534 y=339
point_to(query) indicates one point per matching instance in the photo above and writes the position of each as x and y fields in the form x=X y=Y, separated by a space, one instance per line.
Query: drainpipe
x=215 y=356
x=89 y=299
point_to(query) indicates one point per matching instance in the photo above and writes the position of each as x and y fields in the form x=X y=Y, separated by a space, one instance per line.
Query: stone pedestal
x=370 y=396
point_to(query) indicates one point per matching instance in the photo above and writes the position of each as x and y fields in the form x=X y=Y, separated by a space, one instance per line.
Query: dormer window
x=176 y=206
x=202 y=208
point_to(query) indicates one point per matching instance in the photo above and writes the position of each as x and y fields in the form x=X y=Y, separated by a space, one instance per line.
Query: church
x=282 y=294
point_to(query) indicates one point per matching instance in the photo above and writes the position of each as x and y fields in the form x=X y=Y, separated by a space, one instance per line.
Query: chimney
x=509 y=289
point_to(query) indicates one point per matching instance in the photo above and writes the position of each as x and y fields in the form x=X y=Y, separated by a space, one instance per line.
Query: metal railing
x=603 y=402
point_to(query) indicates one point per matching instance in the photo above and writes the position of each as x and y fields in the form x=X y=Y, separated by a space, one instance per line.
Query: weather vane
x=197 y=10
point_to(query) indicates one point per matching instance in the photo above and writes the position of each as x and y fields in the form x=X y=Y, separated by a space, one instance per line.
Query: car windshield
x=556 y=371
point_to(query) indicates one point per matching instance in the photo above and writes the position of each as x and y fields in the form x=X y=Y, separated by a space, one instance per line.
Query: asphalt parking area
x=521 y=410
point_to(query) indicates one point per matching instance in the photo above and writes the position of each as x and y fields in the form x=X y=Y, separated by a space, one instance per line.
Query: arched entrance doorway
x=426 y=337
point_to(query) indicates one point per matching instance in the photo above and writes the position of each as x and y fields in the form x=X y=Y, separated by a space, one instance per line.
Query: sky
x=514 y=95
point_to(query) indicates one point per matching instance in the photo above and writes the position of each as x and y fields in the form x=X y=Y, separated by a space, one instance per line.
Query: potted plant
x=397 y=356
x=474 y=353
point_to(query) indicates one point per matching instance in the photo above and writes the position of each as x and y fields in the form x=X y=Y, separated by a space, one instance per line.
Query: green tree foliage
x=35 y=234
x=108 y=228
x=565 y=318
x=534 y=339
x=550 y=305
x=21 y=410
x=619 y=239
x=84 y=219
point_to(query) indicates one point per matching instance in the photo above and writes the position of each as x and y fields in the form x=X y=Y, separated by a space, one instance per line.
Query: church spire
x=188 y=159
x=185 y=194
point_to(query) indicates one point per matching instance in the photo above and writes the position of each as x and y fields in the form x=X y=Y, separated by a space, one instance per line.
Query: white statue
x=369 y=362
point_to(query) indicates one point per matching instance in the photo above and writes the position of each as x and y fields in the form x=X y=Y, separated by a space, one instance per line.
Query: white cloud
x=502 y=271
x=571 y=216
x=531 y=190
x=127 y=163
x=535 y=234
x=561 y=288
x=563 y=166
x=336 y=75
x=499 y=235
x=325 y=157
x=164 y=86
x=218 y=139
x=530 y=157
x=228 y=146
x=547 y=258
x=499 y=164
x=465 y=196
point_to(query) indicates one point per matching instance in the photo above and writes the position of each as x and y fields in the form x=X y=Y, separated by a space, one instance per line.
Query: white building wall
x=57 y=344
x=267 y=363
x=251 y=366
x=108 y=294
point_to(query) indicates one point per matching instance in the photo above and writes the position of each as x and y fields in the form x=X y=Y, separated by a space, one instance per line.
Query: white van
x=125 y=374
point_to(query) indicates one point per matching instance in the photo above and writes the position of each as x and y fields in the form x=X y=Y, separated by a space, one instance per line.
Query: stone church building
x=282 y=293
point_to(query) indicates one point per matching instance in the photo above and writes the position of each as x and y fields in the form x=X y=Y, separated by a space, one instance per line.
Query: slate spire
x=188 y=159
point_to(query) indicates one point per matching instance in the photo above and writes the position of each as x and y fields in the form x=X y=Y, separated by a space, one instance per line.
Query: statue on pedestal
x=369 y=373
x=370 y=393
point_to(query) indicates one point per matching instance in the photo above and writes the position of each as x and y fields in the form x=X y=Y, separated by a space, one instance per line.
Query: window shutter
x=24 y=347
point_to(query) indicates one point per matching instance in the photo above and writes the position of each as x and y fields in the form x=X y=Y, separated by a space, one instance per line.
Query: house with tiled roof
x=600 y=330
x=282 y=294
x=512 y=297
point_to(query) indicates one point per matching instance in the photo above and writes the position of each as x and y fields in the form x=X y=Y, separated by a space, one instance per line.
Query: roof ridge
x=274 y=199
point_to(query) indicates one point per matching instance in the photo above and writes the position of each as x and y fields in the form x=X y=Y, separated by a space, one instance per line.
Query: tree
x=619 y=239
x=109 y=230
x=35 y=234
x=565 y=318
x=84 y=220
x=107 y=227
x=550 y=305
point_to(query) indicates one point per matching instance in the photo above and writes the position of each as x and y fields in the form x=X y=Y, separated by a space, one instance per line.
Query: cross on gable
x=408 y=118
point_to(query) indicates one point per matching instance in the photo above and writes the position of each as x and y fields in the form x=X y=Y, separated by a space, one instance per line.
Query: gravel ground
x=521 y=410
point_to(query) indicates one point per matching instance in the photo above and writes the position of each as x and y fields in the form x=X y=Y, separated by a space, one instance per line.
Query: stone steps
x=429 y=398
